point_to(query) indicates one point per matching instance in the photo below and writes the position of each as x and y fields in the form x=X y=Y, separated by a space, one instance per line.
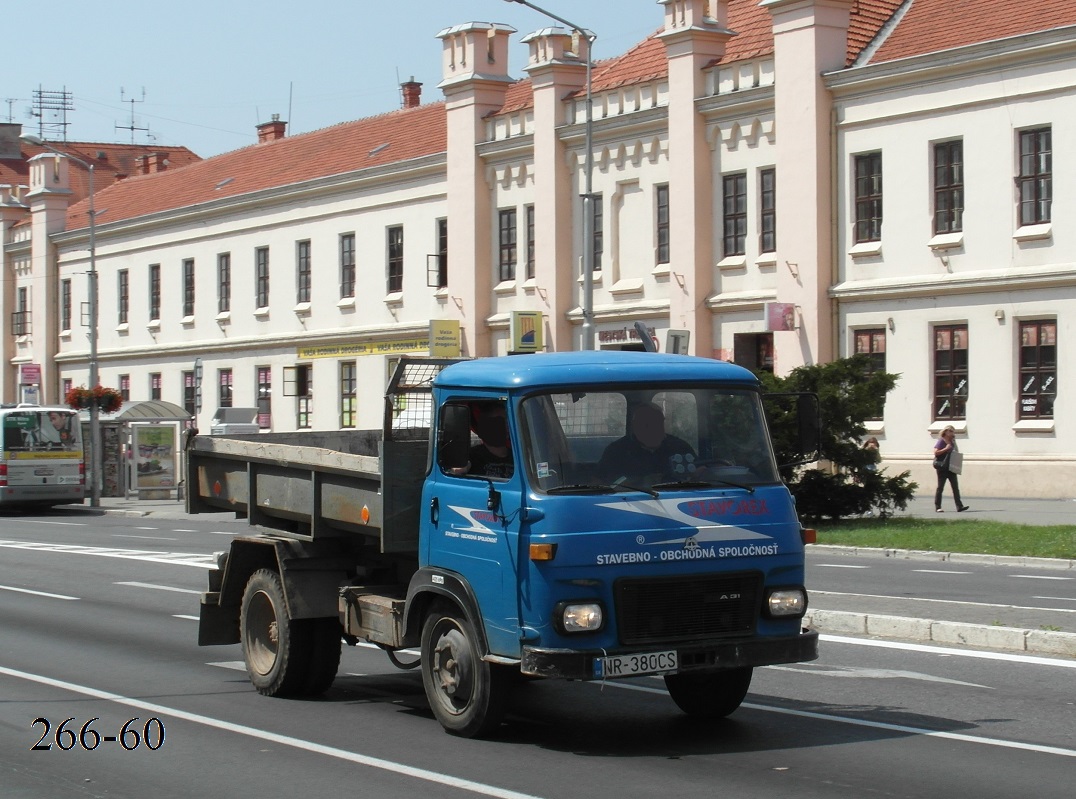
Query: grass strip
x=970 y=536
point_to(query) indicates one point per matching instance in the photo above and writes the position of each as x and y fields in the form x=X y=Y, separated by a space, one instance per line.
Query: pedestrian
x=944 y=450
x=871 y=446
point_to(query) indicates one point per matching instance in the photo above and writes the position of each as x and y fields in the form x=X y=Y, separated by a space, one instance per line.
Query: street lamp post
x=588 y=187
x=95 y=412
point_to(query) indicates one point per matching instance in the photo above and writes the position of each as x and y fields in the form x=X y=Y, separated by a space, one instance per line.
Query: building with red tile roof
x=878 y=172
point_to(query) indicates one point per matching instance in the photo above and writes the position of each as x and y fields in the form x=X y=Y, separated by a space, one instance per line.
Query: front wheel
x=467 y=695
x=709 y=694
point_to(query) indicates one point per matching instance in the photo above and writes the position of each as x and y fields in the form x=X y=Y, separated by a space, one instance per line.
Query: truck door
x=473 y=499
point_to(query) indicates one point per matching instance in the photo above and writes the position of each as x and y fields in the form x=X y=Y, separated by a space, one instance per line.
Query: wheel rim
x=262 y=633
x=452 y=667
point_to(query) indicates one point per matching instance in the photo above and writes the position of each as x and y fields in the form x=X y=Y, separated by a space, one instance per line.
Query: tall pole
x=588 y=179
x=96 y=458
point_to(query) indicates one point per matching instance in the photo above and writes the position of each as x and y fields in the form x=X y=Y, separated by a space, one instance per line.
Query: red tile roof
x=376 y=141
x=109 y=162
x=753 y=26
x=933 y=25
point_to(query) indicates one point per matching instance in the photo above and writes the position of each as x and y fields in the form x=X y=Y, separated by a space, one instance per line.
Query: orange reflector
x=543 y=551
x=364 y=514
x=809 y=536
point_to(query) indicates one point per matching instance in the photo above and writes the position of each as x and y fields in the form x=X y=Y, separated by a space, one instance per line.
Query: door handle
x=435 y=511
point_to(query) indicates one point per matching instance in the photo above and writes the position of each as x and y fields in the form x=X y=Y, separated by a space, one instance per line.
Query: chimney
x=412 y=93
x=271 y=131
x=151 y=163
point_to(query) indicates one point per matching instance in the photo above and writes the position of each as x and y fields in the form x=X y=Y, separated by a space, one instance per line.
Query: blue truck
x=581 y=516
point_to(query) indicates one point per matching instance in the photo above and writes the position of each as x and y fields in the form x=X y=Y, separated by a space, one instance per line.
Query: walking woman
x=944 y=448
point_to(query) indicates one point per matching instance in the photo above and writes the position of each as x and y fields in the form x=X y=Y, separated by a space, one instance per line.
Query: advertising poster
x=154 y=455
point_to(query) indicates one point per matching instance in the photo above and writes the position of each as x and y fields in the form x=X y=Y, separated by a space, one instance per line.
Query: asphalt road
x=97 y=621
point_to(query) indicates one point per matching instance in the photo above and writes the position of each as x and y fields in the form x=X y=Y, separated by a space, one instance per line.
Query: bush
x=846 y=482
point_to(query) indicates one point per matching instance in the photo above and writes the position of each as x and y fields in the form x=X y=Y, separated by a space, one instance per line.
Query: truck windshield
x=647 y=440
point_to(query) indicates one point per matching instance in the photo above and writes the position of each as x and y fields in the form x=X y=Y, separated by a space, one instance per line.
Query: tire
x=275 y=649
x=709 y=694
x=468 y=696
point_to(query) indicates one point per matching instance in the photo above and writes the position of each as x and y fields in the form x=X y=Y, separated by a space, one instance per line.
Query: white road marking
x=838 y=566
x=221 y=532
x=147 y=528
x=161 y=587
x=1040 y=577
x=144 y=537
x=1057 y=598
x=284 y=740
x=181 y=530
x=234 y=665
x=872 y=674
x=181 y=616
x=35 y=593
x=178 y=558
x=58 y=524
x=877 y=725
x=938 y=571
x=943 y=601
x=941 y=650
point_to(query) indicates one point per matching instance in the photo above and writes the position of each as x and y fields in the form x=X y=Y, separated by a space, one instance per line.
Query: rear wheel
x=284 y=657
x=710 y=694
x=467 y=695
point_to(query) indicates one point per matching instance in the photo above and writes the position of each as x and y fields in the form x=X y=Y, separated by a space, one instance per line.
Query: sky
x=203 y=73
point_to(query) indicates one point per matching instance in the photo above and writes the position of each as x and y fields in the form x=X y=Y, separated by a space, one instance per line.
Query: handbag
x=956 y=462
x=942 y=461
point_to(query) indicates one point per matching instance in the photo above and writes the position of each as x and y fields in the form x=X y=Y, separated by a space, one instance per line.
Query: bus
x=41 y=456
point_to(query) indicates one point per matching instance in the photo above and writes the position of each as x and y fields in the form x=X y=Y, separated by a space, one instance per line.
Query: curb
x=951 y=557
x=1013 y=639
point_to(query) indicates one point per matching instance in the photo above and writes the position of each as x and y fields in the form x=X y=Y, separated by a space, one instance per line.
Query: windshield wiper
x=581 y=488
x=704 y=484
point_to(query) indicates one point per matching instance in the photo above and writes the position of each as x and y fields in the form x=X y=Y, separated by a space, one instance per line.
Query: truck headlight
x=785 y=602
x=580 y=617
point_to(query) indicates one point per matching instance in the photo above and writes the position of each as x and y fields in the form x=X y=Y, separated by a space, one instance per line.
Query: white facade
x=794 y=109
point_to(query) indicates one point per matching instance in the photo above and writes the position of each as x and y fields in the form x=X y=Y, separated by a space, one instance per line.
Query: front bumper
x=574 y=664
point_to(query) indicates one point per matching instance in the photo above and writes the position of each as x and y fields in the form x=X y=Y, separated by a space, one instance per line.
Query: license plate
x=634 y=665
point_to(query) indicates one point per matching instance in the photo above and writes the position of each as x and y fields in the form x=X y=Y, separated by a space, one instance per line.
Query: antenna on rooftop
x=131 y=126
x=50 y=108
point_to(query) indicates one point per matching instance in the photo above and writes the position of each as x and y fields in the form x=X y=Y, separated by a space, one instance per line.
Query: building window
x=190 y=393
x=442 y=253
x=265 y=397
x=299 y=383
x=188 y=287
x=347 y=265
x=950 y=372
x=155 y=386
x=1038 y=369
x=65 y=305
x=598 y=244
x=348 y=399
x=261 y=277
x=871 y=343
x=125 y=387
x=528 y=212
x=868 y=197
x=224 y=282
x=662 y=222
x=123 y=295
x=767 y=212
x=302 y=272
x=224 y=388
x=20 y=318
x=396 y=258
x=734 y=214
x=65 y=387
x=154 y=292
x=949 y=187
x=507 y=241
x=1035 y=180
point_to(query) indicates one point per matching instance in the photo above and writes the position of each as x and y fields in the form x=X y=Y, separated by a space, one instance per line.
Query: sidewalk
x=1033 y=631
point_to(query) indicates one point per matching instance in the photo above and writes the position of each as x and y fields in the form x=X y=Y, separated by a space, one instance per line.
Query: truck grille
x=686 y=608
